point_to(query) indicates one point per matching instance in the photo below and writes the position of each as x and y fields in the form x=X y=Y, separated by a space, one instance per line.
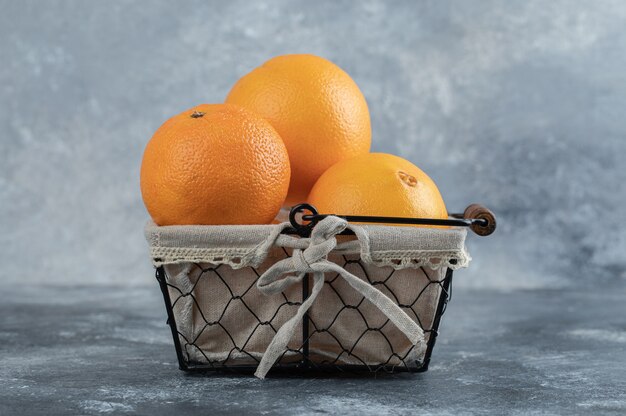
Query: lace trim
x=234 y=257
x=242 y=257
x=415 y=259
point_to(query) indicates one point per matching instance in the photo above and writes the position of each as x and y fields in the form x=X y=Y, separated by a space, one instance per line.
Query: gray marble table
x=107 y=350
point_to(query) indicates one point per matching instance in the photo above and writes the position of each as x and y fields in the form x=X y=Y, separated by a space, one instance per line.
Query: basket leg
x=444 y=297
x=171 y=321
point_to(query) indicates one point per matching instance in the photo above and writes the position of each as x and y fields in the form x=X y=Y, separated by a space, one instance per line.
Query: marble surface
x=107 y=350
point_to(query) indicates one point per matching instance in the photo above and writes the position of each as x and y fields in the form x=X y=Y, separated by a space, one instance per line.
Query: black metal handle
x=480 y=219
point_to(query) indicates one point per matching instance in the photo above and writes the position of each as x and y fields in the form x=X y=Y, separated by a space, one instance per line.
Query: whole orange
x=317 y=109
x=215 y=164
x=377 y=184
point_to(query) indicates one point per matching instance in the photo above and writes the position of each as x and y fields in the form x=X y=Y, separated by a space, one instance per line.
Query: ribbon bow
x=314 y=259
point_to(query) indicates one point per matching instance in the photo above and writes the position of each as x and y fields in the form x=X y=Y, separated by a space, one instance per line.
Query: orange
x=317 y=109
x=215 y=164
x=377 y=184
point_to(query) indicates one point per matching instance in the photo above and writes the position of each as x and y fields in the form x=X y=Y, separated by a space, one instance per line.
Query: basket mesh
x=223 y=321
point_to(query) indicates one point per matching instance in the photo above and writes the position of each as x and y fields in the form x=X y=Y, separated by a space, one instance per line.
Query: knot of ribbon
x=314 y=259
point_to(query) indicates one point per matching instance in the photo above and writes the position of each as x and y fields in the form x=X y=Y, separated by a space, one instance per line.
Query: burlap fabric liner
x=379 y=248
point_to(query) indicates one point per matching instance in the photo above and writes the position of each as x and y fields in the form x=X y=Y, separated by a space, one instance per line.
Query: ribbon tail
x=388 y=307
x=285 y=333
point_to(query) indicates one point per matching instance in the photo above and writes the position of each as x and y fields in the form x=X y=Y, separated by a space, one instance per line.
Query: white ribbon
x=314 y=259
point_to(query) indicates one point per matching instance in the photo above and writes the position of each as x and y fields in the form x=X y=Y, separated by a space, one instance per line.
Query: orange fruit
x=377 y=184
x=215 y=164
x=317 y=109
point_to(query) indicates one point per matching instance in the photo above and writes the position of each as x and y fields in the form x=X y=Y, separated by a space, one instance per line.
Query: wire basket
x=220 y=321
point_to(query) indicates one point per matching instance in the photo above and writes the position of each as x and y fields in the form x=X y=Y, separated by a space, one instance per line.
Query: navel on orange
x=317 y=109
x=377 y=184
x=215 y=164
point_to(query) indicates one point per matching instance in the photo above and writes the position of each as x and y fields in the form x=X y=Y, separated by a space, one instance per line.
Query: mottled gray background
x=518 y=105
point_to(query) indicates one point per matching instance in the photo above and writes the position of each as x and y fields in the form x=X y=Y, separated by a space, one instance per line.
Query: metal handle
x=477 y=217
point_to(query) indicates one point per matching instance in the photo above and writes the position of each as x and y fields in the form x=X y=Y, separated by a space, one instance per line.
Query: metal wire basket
x=238 y=316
